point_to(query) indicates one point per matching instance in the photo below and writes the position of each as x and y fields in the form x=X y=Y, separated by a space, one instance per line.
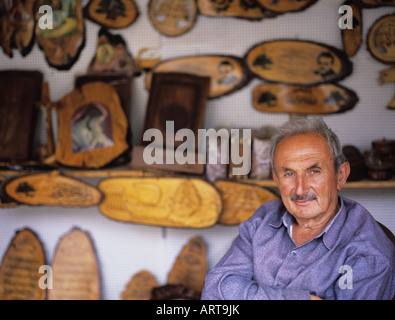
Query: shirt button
x=293 y=252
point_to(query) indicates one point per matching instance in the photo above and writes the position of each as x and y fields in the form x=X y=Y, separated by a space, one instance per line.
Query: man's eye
x=315 y=171
x=288 y=174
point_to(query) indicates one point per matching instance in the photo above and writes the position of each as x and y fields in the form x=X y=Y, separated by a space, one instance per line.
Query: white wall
x=122 y=248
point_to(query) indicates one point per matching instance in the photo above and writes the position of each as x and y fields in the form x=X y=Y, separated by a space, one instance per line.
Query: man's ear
x=342 y=175
x=275 y=178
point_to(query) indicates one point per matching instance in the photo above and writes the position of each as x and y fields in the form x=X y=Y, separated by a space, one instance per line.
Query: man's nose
x=302 y=185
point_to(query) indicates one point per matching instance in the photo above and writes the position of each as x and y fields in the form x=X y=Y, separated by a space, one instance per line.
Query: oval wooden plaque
x=375 y=3
x=19 y=270
x=168 y=202
x=319 y=99
x=74 y=269
x=381 y=39
x=241 y=200
x=52 y=189
x=281 y=6
x=227 y=73
x=297 y=62
x=352 y=38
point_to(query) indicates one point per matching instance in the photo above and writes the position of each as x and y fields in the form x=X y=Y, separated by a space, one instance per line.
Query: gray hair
x=309 y=125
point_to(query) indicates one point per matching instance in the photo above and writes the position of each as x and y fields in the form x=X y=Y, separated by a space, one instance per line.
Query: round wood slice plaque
x=227 y=73
x=297 y=62
x=352 y=38
x=19 y=270
x=381 y=39
x=74 y=268
x=168 y=202
x=319 y=99
x=281 y=6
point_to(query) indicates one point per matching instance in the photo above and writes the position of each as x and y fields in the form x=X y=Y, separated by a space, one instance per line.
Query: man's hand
x=313 y=297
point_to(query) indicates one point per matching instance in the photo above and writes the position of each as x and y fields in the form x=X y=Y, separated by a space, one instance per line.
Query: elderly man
x=313 y=243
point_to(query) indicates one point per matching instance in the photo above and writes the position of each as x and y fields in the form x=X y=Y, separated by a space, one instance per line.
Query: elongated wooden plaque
x=140 y=286
x=190 y=267
x=52 y=189
x=319 y=99
x=241 y=200
x=20 y=269
x=168 y=202
x=352 y=37
x=376 y=3
x=227 y=73
x=74 y=268
x=381 y=39
x=297 y=62
x=281 y=6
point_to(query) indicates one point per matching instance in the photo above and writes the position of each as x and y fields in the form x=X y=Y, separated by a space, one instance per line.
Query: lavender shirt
x=351 y=258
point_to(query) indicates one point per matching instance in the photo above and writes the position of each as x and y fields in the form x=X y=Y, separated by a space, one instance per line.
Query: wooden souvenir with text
x=381 y=39
x=140 y=286
x=352 y=37
x=282 y=6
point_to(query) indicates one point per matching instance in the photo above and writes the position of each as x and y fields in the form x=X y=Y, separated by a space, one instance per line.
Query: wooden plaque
x=241 y=200
x=18 y=111
x=52 y=189
x=190 y=267
x=172 y=17
x=63 y=42
x=19 y=270
x=92 y=126
x=352 y=38
x=168 y=202
x=375 y=3
x=140 y=286
x=227 y=73
x=74 y=268
x=319 y=99
x=281 y=6
x=114 y=14
x=381 y=39
x=297 y=62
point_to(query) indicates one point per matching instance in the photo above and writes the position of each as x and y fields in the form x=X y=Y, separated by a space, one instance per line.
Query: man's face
x=306 y=177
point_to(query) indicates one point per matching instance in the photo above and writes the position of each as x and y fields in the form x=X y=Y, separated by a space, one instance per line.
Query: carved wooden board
x=63 y=43
x=297 y=62
x=52 y=189
x=352 y=38
x=241 y=200
x=319 y=99
x=375 y=3
x=387 y=76
x=92 y=126
x=172 y=17
x=74 y=269
x=227 y=73
x=19 y=270
x=112 y=14
x=381 y=39
x=17 y=111
x=168 y=202
x=140 y=286
x=190 y=267
x=281 y=6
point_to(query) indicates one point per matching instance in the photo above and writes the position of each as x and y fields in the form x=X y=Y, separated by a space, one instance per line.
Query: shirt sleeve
x=233 y=277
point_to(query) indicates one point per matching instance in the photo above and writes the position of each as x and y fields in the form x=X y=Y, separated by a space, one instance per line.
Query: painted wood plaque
x=241 y=200
x=114 y=14
x=62 y=41
x=140 y=286
x=74 y=268
x=297 y=62
x=375 y=3
x=168 y=202
x=227 y=73
x=281 y=6
x=20 y=269
x=172 y=17
x=52 y=189
x=352 y=38
x=190 y=267
x=381 y=39
x=320 y=99
x=92 y=126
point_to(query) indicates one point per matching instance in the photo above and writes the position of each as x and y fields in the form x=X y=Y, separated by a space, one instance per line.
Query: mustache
x=303 y=197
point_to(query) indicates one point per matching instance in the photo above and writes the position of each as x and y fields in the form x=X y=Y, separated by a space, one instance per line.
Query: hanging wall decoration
x=388 y=76
x=299 y=99
x=167 y=202
x=63 y=41
x=381 y=39
x=352 y=37
x=172 y=17
x=92 y=126
x=20 y=270
x=17 y=21
x=281 y=6
x=376 y=3
x=247 y=9
x=114 y=14
x=227 y=73
x=297 y=62
x=140 y=286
